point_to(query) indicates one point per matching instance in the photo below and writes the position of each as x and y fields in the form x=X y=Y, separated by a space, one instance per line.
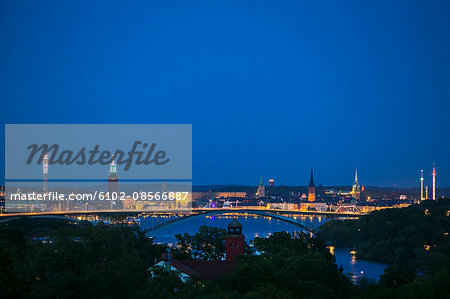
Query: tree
x=397 y=275
x=208 y=243
x=289 y=266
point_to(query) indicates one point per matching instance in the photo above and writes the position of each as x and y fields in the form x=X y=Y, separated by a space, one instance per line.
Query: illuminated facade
x=230 y=194
x=113 y=183
x=421 y=185
x=261 y=190
x=434 y=182
x=271 y=182
x=129 y=204
x=113 y=180
x=45 y=173
x=356 y=190
x=282 y=206
x=201 y=195
x=311 y=189
x=222 y=194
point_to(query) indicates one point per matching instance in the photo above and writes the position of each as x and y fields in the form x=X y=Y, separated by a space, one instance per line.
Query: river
x=259 y=226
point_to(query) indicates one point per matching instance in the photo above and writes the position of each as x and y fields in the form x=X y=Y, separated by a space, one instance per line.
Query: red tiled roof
x=208 y=270
x=180 y=266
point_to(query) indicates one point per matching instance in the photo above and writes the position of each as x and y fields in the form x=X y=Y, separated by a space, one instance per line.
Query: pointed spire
x=356 y=175
x=261 y=183
x=311 y=181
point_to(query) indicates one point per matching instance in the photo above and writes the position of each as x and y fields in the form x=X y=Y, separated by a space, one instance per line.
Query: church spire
x=311 y=189
x=356 y=190
x=261 y=192
x=311 y=181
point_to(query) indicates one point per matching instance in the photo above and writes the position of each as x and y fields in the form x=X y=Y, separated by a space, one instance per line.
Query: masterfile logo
x=94 y=156
x=56 y=168
x=141 y=152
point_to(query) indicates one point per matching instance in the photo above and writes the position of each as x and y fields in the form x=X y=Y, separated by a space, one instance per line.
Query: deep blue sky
x=271 y=87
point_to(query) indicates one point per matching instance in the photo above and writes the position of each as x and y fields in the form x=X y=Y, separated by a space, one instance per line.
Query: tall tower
x=45 y=172
x=356 y=190
x=113 y=184
x=234 y=241
x=426 y=192
x=421 y=184
x=311 y=189
x=261 y=190
x=434 y=182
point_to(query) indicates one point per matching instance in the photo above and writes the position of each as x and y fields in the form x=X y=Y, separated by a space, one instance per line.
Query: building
x=434 y=182
x=113 y=185
x=129 y=203
x=202 y=196
x=321 y=206
x=313 y=206
x=356 y=189
x=234 y=241
x=209 y=270
x=421 y=185
x=282 y=206
x=2 y=199
x=347 y=208
x=45 y=173
x=271 y=182
x=305 y=206
x=230 y=194
x=311 y=189
x=261 y=190
x=205 y=196
x=113 y=179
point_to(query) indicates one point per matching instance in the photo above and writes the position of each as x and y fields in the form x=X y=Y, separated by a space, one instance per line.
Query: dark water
x=258 y=226
x=357 y=269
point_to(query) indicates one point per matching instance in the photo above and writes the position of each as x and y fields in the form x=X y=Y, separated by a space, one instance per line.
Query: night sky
x=271 y=87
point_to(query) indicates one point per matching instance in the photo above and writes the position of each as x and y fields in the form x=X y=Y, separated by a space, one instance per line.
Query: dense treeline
x=80 y=261
x=72 y=260
x=291 y=266
x=393 y=235
x=286 y=266
x=414 y=241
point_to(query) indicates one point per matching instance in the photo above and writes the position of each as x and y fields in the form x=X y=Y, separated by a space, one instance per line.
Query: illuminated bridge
x=184 y=215
x=263 y=213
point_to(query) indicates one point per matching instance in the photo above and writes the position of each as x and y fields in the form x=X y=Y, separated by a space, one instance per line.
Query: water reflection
x=357 y=269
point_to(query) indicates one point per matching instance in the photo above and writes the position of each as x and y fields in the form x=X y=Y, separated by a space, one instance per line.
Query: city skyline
x=225 y=149
x=278 y=89
x=272 y=181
